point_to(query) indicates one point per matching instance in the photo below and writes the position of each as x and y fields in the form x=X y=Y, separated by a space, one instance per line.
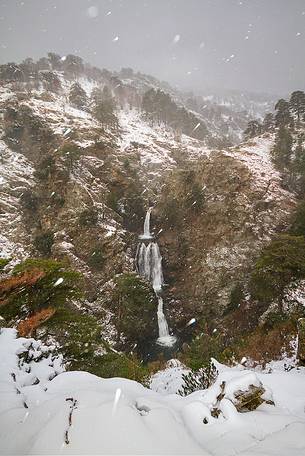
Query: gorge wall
x=81 y=187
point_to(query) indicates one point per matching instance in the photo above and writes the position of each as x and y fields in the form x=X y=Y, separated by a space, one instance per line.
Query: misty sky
x=254 y=45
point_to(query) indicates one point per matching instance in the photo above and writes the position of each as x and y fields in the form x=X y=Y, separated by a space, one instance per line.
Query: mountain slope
x=81 y=184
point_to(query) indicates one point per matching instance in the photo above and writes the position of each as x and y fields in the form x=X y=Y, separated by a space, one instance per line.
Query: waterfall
x=149 y=265
x=162 y=323
x=146 y=234
x=147 y=223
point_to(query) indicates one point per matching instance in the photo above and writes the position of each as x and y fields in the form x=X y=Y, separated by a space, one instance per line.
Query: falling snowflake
x=191 y=322
x=176 y=39
x=116 y=400
x=58 y=282
x=92 y=12
x=229 y=58
x=115 y=39
x=197 y=126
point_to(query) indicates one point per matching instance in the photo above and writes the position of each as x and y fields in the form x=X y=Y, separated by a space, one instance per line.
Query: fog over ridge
x=251 y=45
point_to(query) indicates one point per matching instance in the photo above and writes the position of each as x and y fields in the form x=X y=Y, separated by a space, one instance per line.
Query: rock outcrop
x=216 y=217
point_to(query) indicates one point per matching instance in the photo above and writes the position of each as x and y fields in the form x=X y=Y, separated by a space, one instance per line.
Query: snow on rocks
x=255 y=154
x=155 y=144
x=6 y=94
x=294 y=295
x=84 y=176
x=62 y=118
x=152 y=141
x=16 y=176
x=79 y=413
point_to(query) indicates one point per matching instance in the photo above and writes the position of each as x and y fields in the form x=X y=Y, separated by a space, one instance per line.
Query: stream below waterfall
x=149 y=266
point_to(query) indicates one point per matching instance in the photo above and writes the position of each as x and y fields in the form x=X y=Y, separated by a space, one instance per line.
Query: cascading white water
x=149 y=264
x=162 y=323
x=146 y=234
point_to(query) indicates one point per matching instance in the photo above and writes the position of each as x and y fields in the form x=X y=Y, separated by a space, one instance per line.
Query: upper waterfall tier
x=147 y=234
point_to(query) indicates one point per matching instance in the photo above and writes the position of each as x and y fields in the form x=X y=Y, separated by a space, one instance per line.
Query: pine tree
x=51 y=81
x=253 y=129
x=96 y=95
x=149 y=101
x=73 y=65
x=160 y=108
x=282 y=150
x=43 y=64
x=104 y=106
x=297 y=104
x=107 y=98
x=11 y=72
x=29 y=69
x=77 y=96
x=299 y=154
x=55 y=61
x=268 y=122
x=282 y=116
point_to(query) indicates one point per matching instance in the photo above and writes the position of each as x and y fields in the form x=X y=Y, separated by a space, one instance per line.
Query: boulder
x=247 y=401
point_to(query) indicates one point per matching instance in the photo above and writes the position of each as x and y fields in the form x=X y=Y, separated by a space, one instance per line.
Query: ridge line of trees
x=160 y=108
x=288 y=152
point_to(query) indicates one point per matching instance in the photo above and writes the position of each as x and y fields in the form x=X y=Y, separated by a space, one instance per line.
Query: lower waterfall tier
x=149 y=264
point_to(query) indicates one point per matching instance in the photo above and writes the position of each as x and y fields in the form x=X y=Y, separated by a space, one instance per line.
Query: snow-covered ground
x=265 y=179
x=44 y=410
x=155 y=142
x=255 y=154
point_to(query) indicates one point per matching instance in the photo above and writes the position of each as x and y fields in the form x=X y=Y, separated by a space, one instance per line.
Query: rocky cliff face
x=218 y=214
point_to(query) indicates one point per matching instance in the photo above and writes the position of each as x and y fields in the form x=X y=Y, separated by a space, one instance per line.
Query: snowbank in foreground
x=44 y=410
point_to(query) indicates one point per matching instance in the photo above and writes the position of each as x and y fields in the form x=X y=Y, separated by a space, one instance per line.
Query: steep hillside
x=230 y=111
x=82 y=159
x=226 y=208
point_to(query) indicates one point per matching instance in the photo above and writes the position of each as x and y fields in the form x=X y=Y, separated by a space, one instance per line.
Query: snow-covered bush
x=198 y=380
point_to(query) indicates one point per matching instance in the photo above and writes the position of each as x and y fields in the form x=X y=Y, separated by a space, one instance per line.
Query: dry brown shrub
x=14 y=283
x=27 y=326
x=264 y=346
